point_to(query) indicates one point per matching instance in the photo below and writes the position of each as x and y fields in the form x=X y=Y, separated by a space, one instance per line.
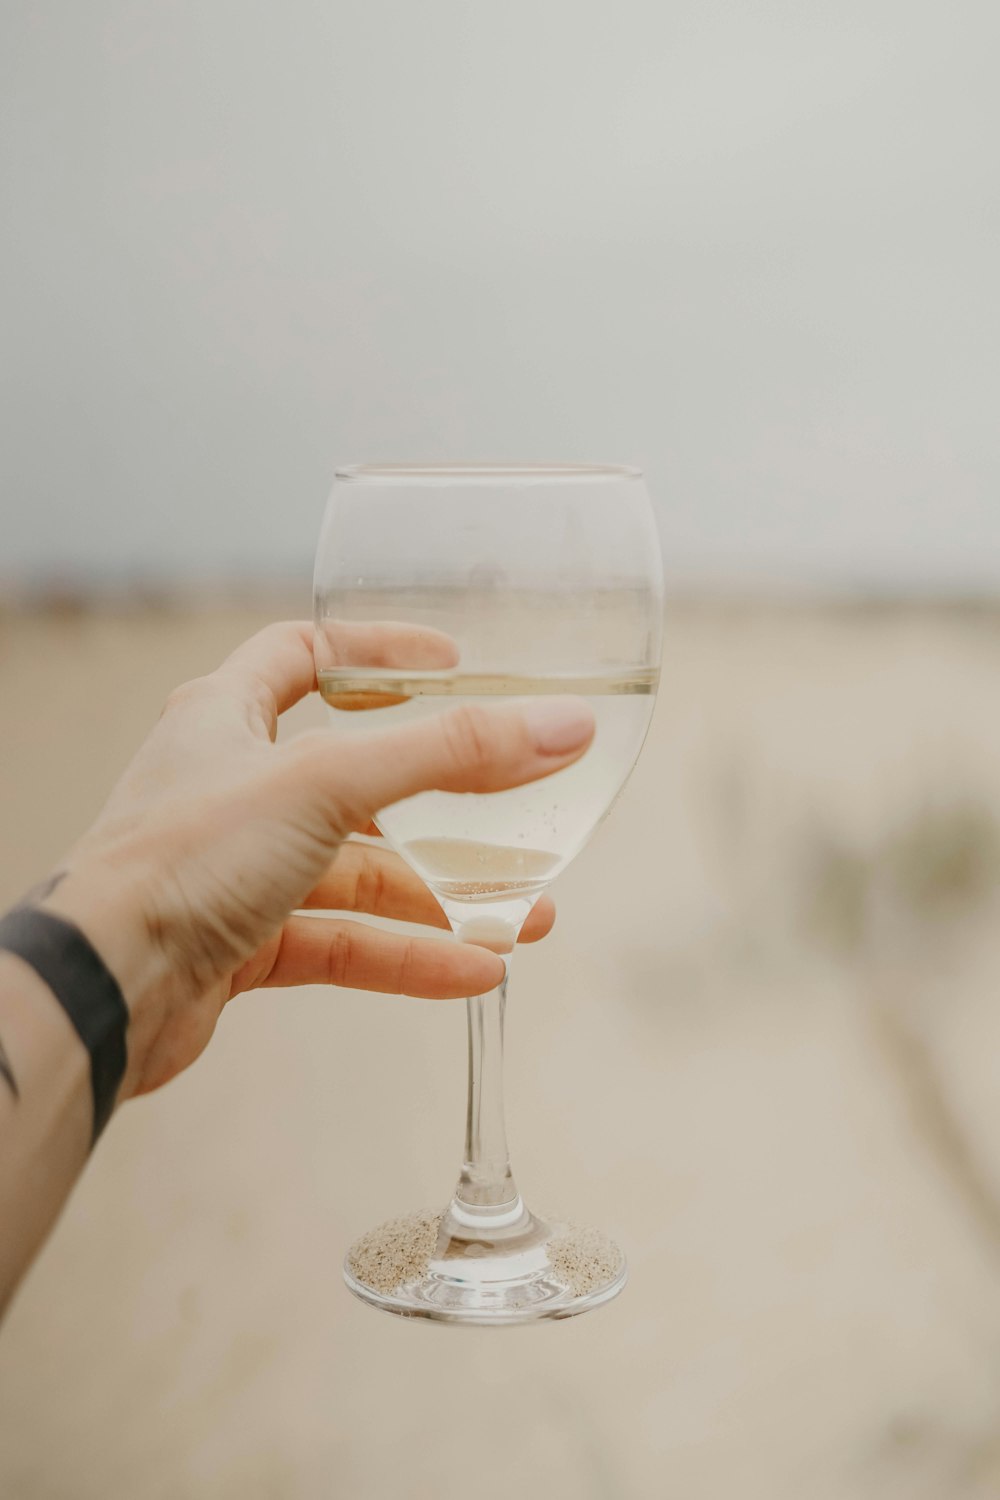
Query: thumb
x=469 y=749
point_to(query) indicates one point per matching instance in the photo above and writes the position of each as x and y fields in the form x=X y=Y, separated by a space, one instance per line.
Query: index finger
x=345 y=645
x=381 y=883
x=276 y=665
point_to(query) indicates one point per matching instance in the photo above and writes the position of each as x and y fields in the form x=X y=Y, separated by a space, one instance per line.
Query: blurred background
x=752 y=249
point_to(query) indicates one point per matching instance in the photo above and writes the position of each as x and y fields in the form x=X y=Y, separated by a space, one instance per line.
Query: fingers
x=377 y=882
x=275 y=667
x=378 y=645
x=469 y=749
x=539 y=921
x=381 y=884
x=313 y=951
x=384 y=643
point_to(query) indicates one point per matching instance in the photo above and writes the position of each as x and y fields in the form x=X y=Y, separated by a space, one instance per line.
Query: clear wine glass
x=441 y=585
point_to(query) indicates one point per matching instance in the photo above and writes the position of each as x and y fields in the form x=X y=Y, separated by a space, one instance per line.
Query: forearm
x=45 y=1115
x=48 y=1103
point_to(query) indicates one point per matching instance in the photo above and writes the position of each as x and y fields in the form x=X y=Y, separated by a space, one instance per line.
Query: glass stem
x=487 y=1205
x=486 y=1181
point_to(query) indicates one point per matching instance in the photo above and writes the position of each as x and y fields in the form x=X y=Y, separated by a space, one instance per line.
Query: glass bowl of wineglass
x=438 y=585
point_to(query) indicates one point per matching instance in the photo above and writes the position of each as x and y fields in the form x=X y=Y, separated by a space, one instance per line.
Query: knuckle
x=406 y=973
x=369 y=884
x=470 y=737
x=185 y=694
x=340 y=956
x=277 y=633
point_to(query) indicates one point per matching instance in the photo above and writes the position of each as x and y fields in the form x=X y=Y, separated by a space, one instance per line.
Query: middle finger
x=379 y=882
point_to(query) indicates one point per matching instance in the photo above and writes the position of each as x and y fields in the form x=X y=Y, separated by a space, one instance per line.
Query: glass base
x=488 y=1266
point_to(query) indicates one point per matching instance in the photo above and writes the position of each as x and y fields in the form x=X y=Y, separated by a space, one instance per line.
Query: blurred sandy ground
x=761 y=1046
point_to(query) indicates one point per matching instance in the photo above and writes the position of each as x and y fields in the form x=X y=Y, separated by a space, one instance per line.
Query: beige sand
x=761 y=1048
x=395 y=1252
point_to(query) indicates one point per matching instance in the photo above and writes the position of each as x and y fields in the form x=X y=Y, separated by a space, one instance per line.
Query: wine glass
x=448 y=584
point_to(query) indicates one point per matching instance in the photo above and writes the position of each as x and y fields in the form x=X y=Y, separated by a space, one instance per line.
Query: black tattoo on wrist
x=7 y=1073
x=34 y=897
x=44 y=888
x=70 y=966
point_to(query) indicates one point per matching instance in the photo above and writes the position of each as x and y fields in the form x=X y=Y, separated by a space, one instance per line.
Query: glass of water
x=449 y=584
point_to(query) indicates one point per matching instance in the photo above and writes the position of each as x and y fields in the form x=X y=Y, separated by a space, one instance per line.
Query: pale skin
x=188 y=883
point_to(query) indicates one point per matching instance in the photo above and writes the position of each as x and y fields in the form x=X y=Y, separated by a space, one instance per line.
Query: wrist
x=106 y=906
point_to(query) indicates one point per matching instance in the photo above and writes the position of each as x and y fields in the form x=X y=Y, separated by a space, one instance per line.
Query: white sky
x=753 y=248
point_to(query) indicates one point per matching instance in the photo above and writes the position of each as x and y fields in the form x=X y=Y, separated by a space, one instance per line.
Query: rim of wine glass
x=484 y=473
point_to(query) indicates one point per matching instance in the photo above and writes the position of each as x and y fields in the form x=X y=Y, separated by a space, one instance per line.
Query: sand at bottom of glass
x=400 y=1250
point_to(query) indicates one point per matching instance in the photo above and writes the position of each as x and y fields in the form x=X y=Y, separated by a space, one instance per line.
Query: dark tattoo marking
x=34 y=897
x=44 y=888
x=6 y=1072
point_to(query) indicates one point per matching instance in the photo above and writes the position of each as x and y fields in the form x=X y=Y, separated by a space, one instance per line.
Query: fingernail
x=558 y=725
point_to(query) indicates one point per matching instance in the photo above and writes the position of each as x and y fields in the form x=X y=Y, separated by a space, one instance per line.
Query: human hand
x=215 y=835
